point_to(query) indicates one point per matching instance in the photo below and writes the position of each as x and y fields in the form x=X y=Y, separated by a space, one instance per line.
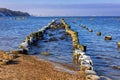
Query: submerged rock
x=51 y=34
x=53 y=39
x=90 y=72
x=63 y=37
x=45 y=53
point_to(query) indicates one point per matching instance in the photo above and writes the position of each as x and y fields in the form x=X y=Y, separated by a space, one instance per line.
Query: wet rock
x=116 y=67
x=52 y=26
x=92 y=77
x=90 y=72
x=98 y=33
x=87 y=28
x=86 y=66
x=108 y=37
x=90 y=30
x=39 y=35
x=77 y=51
x=84 y=57
x=25 y=44
x=83 y=48
x=45 y=53
x=118 y=44
x=86 y=61
x=76 y=54
x=83 y=26
x=76 y=57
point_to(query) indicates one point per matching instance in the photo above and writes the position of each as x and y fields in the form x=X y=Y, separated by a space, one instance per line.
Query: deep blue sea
x=105 y=54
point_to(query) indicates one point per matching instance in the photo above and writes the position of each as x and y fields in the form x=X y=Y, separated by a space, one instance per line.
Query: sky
x=64 y=7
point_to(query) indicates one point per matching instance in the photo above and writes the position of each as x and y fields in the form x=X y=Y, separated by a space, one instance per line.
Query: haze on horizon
x=65 y=8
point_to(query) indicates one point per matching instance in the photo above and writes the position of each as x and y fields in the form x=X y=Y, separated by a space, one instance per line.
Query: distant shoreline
x=7 y=12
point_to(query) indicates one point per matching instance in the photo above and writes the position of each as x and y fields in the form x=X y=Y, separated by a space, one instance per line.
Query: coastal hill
x=7 y=12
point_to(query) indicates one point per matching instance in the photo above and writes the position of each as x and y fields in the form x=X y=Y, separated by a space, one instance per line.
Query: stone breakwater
x=33 y=38
x=25 y=46
x=79 y=55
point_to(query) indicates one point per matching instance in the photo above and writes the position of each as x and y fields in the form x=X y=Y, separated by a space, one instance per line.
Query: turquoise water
x=104 y=54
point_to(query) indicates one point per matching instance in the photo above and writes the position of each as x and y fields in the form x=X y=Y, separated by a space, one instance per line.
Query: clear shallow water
x=103 y=53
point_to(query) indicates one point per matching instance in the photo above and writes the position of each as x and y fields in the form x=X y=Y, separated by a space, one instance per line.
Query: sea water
x=105 y=54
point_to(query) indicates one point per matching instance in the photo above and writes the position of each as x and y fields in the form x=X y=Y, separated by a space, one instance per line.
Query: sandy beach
x=27 y=67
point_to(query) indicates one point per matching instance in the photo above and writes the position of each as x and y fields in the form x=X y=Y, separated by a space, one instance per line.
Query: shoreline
x=27 y=67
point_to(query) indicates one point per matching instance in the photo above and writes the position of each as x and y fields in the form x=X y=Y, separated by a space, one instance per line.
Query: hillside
x=7 y=12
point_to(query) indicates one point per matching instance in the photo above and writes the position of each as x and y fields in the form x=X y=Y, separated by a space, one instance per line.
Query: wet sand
x=27 y=67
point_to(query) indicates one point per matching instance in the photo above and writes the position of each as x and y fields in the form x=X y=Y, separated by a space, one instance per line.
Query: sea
x=104 y=53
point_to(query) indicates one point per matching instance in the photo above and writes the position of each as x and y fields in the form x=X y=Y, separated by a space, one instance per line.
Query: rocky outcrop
x=7 y=12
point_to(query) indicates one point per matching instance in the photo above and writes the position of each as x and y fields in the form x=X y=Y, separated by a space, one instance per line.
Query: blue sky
x=65 y=7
